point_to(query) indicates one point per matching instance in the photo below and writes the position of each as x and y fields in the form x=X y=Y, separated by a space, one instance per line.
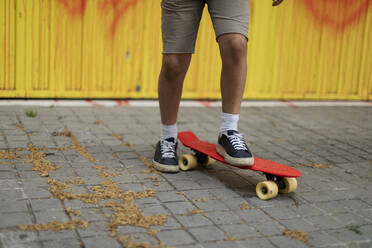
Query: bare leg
x=172 y=74
x=233 y=50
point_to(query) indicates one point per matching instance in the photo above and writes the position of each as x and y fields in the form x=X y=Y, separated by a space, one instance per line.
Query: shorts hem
x=178 y=52
x=231 y=32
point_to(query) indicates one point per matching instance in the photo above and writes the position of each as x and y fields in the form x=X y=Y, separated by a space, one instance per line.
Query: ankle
x=229 y=122
x=169 y=131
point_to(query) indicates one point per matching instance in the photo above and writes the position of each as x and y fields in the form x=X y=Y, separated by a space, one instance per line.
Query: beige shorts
x=181 y=18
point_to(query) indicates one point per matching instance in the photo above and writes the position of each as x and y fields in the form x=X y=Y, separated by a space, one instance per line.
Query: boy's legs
x=180 y=23
x=172 y=74
x=233 y=50
x=231 y=144
x=230 y=21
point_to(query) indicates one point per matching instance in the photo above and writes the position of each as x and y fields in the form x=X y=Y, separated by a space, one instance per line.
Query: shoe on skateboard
x=232 y=146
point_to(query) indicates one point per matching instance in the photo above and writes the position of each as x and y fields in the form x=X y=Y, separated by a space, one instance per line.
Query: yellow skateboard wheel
x=266 y=190
x=187 y=162
x=290 y=185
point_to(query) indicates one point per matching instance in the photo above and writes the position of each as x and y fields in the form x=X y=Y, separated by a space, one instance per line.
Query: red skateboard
x=280 y=178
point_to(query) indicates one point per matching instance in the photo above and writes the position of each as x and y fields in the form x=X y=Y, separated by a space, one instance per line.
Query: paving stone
x=269 y=228
x=298 y=224
x=193 y=220
x=287 y=242
x=221 y=244
x=11 y=206
x=170 y=196
x=163 y=186
x=239 y=231
x=349 y=219
x=185 y=185
x=256 y=202
x=146 y=201
x=18 y=239
x=175 y=237
x=236 y=203
x=348 y=236
x=100 y=241
x=144 y=238
x=154 y=209
x=254 y=215
x=171 y=224
x=136 y=187
x=210 y=205
x=207 y=234
x=281 y=213
x=305 y=210
x=7 y=175
x=224 y=217
x=62 y=243
x=90 y=214
x=65 y=172
x=363 y=244
x=9 y=184
x=46 y=204
x=57 y=235
x=321 y=239
x=14 y=219
x=49 y=216
x=34 y=182
x=39 y=192
x=28 y=174
x=77 y=204
x=324 y=222
x=255 y=243
x=94 y=229
x=332 y=206
x=127 y=229
x=179 y=207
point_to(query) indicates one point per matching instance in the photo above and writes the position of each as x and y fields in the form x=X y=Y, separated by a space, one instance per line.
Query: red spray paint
x=338 y=14
x=119 y=7
x=74 y=7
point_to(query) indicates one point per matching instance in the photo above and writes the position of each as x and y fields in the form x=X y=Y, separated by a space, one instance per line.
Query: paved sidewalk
x=81 y=177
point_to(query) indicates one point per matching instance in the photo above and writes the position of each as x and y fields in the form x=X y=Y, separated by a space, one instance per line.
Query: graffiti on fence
x=119 y=8
x=338 y=14
x=115 y=8
x=74 y=7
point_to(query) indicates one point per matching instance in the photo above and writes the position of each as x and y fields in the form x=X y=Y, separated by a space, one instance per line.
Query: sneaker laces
x=237 y=141
x=168 y=149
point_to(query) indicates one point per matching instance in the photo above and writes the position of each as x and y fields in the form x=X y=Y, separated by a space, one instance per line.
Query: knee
x=174 y=65
x=233 y=48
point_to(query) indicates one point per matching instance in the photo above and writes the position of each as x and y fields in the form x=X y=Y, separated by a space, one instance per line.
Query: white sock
x=169 y=131
x=229 y=122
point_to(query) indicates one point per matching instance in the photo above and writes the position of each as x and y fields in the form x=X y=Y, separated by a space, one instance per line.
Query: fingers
x=277 y=2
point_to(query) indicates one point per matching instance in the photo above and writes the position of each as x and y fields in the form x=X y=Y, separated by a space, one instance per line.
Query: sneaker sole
x=165 y=168
x=234 y=161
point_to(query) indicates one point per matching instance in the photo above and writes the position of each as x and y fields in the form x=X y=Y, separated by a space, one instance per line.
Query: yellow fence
x=303 y=49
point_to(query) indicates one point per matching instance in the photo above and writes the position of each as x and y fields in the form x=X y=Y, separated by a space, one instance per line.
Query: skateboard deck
x=190 y=140
x=274 y=171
